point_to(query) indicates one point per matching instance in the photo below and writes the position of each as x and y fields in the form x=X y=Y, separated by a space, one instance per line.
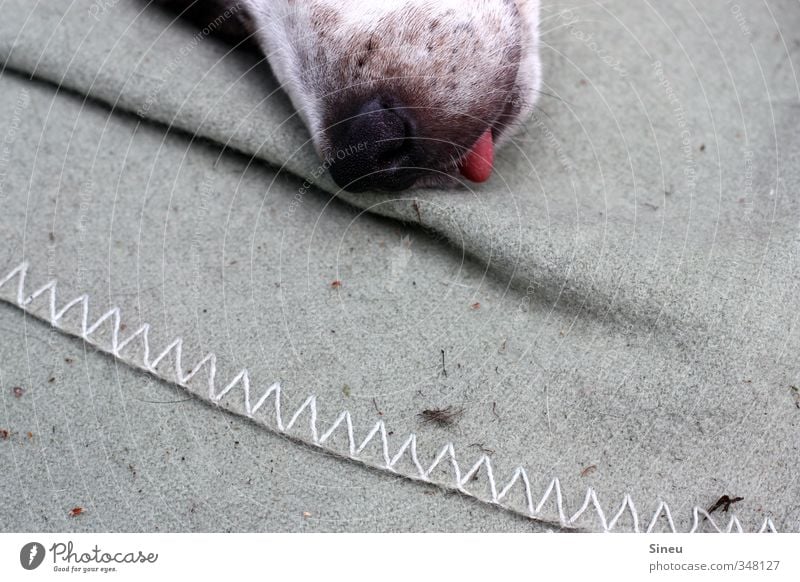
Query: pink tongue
x=477 y=165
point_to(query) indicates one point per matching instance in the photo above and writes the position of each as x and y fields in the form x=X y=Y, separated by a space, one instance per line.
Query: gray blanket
x=610 y=320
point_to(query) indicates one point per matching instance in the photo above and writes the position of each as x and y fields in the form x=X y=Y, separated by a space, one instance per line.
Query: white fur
x=310 y=46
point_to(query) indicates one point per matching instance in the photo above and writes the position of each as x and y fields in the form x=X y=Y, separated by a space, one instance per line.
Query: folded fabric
x=615 y=309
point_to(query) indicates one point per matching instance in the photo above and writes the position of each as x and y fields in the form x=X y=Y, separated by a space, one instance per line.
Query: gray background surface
x=638 y=300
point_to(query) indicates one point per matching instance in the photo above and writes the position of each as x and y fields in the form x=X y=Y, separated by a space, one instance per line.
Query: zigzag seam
x=447 y=454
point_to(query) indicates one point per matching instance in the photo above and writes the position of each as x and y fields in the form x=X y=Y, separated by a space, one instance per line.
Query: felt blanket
x=608 y=325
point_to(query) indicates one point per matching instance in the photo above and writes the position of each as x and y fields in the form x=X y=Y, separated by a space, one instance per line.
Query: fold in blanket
x=642 y=230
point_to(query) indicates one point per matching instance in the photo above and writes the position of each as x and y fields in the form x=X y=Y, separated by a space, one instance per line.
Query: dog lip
x=498 y=129
x=505 y=119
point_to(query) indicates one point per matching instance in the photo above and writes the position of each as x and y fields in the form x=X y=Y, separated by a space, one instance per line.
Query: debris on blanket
x=441 y=416
x=346 y=390
x=724 y=503
x=503 y=346
x=795 y=395
x=588 y=470
x=482 y=448
x=76 y=511
x=17 y=391
x=4 y=434
x=444 y=369
x=475 y=306
x=415 y=205
x=378 y=410
x=336 y=284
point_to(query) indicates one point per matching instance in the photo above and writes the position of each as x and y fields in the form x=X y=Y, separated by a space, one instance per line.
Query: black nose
x=374 y=149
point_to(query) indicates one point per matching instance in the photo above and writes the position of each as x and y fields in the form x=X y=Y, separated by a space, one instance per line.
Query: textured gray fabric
x=138 y=455
x=638 y=298
x=135 y=452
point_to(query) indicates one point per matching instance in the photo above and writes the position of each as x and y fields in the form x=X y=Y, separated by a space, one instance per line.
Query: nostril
x=391 y=151
x=379 y=139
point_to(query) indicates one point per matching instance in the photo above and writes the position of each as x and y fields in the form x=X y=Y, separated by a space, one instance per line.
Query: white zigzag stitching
x=409 y=446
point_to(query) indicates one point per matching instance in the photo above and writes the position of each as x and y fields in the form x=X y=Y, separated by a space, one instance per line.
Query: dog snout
x=374 y=148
